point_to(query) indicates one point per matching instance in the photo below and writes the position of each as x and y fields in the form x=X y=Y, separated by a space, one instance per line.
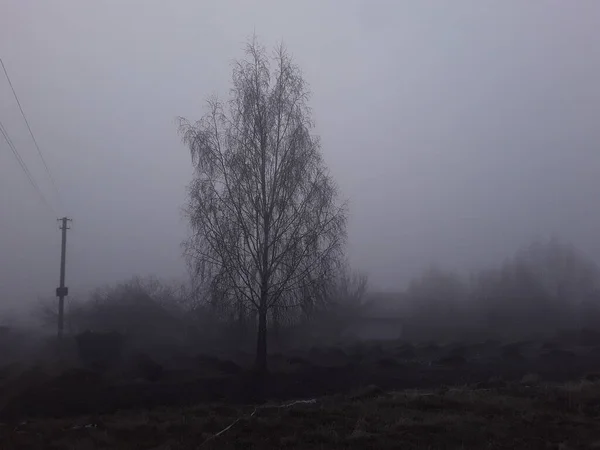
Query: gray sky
x=457 y=130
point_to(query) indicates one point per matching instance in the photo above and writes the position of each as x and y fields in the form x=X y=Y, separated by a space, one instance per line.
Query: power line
x=30 y=131
x=23 y=165
x=18 y=156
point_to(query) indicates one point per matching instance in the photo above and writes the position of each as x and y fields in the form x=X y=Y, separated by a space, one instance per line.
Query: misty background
x=457 y=131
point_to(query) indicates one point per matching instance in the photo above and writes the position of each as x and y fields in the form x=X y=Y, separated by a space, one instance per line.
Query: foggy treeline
x=545 y=287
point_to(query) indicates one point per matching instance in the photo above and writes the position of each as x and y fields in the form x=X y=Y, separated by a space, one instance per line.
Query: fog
x=458 y=132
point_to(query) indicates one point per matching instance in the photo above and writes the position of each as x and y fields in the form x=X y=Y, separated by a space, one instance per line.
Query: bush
x=100 y=350
x=146 y=368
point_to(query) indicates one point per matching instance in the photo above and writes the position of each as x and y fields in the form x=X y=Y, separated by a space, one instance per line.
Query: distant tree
x=437 y=287
x=147 y=311
x=546 y=285
x=565 y=273
x=267 y=231
x=45 y=313
x=348 y=296
x=350 y=287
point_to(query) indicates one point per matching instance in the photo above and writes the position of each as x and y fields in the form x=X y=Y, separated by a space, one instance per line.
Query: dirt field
x=503 y=378
x=525 y=415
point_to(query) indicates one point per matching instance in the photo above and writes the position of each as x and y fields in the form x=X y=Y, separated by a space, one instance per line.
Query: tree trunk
x=276 y=327
x=261 y=342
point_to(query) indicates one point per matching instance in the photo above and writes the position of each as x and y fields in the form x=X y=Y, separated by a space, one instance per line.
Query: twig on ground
x=286 y=405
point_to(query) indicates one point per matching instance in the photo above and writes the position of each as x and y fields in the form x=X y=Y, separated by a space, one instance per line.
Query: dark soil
x=37 y=392
x=510 y=416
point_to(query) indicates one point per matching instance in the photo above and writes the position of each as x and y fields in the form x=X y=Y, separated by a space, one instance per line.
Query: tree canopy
x=267 y=230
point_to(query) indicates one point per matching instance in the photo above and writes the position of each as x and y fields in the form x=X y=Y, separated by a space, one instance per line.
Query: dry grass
x=515 y=416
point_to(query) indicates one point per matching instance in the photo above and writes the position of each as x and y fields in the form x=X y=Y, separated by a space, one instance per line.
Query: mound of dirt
x=10 y=371
x=558 y=354
x=100 y=349
x=371 y=391
x=459 y=350
x=405 y=352
x=76 y=377
x=18 y=379
x=593 y=377
x=584 y=337
x=595 y=352
x=297 y=360
x=492 y=383
x=212 y=363
x=429 y=348
x=589 y=338
x=512 y=351
x=550 y=345
x=44 y=394
x=229 y=367
x=144 y=367
x=388 y=363
x=452 y=360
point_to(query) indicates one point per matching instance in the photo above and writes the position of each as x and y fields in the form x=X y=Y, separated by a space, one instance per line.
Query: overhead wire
x=54 y=185
x=24 y=166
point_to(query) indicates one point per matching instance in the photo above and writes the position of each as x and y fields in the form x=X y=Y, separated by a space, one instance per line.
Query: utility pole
x=62 y=291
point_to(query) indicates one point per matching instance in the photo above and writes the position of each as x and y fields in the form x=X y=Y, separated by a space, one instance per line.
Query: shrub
x=100 y=349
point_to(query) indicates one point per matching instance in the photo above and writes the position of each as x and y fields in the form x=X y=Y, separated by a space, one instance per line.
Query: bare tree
x=351 y=287
x=267 y=229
